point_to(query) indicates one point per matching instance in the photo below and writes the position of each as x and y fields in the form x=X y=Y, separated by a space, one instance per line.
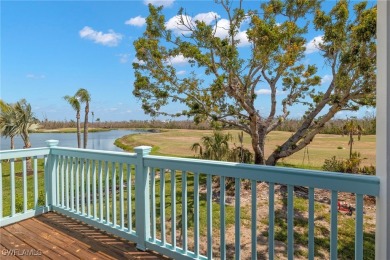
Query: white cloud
x=136 y=21
x=35 y=76
x=222 y=28
x=178 y=60
x=107 y=39
x=222 y=31
x=207 y=18
x=326 y=79
x=174 y=24
x=135 y=60
x=165 y=3
x=243 y=37
x=264 y=91
x=123 y=57
x=181 y=72
x=312 y=46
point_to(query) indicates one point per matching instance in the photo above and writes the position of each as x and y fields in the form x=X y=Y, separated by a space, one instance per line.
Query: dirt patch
x=322 y=205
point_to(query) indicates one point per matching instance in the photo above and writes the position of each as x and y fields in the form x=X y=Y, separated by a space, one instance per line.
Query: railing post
x=51 y=175
x=142 y=199
x=382 y=236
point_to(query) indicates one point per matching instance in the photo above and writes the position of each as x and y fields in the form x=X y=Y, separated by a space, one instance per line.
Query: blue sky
x=50 y=49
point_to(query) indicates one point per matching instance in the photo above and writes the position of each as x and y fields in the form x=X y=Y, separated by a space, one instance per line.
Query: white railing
x=170 y=205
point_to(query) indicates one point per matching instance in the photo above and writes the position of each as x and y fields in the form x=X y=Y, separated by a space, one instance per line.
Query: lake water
x=98 y=140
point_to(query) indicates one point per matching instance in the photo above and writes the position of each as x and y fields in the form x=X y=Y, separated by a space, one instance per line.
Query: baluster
x=121 y=202
x=82 y=186
x=311 y=223
x=271 y=224
x=12 y=187
x=72 y=188
x=66 y=182
x=222 y=217
x=184 y=211
x=113 y=172
x=209 y=202
x=333 y=225
x=359 y=227
x=107 y=193
x=237 y=183
x=88 y=170
x=196 y=214
x=94 y=189
x=129 y=198
x=290 y=221
x=162 y=205
x=62 y=179
x=254 y=219
x=173 y=208
x=77 y=185
x=24 y=160
x=101 y=195
x=153 y=204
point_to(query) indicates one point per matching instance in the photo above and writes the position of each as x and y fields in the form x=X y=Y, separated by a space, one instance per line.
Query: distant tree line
x=335 y=126
x=133 y=124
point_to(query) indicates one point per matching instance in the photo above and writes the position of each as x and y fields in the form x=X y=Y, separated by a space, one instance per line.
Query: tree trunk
x=12 y=142
x=86 y=125
x=78 y=129
x=272 y=160
x=258 y=148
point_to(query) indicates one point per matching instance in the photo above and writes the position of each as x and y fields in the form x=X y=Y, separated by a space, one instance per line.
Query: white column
x=382 y=237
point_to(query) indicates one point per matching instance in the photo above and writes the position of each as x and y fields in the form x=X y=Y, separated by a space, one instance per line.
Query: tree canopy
x=225 y=90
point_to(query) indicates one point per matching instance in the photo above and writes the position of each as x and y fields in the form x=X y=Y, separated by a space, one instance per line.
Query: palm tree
x=25 y=120
x=216 y=147
x=351 y=128
x=8 y=127
x=74 y=102
x=84 y=97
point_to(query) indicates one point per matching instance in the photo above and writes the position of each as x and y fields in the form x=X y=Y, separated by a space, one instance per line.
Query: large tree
x=222 y=86
x=84 y=97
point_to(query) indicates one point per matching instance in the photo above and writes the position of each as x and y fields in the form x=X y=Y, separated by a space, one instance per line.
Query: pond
x=97 y=140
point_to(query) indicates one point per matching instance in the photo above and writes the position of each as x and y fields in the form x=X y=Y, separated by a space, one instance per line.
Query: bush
x=333 y=165
x=348 y=166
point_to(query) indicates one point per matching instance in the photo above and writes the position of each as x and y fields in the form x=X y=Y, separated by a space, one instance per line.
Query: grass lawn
x=178 y=142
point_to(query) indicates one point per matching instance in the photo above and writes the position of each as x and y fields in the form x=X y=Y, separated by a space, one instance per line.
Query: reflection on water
x=97 y=140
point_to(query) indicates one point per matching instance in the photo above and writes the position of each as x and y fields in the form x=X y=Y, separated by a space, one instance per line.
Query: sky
x=50 y=49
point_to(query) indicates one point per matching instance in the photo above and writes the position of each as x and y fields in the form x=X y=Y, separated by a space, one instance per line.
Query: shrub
x=348 y=166
x=333 y=165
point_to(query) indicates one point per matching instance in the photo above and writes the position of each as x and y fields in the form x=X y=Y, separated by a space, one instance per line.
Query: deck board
x=59 y=237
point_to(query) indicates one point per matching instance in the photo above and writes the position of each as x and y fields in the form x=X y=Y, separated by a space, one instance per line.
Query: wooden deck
x=54 y=236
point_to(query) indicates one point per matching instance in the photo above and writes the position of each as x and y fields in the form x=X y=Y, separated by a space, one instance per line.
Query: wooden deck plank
x=67 y=240
x=5 y=253
x=29 y=237
x=87 y=234
x=17 y=246
x=61 y=237
x=54 y=240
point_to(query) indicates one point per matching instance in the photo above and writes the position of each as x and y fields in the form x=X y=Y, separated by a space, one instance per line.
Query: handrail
x=354 y=183
x=19 y=153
